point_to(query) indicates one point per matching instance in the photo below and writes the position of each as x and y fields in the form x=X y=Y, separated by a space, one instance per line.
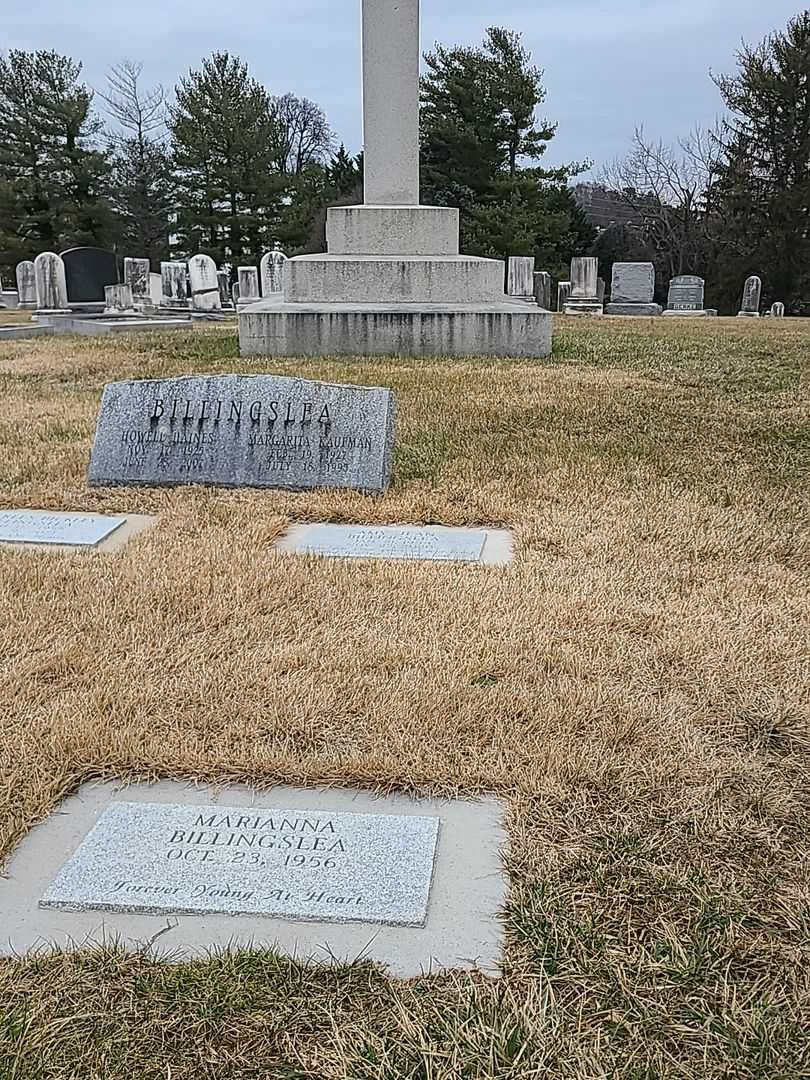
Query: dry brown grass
x=636 y=685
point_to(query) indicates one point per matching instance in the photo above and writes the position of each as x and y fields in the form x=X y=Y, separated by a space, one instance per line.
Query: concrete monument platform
x=321 y=875
x=495 y=328
x=392 y=281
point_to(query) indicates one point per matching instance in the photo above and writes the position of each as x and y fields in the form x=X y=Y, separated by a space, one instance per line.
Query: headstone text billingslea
x=312 y=865
x=244 y=431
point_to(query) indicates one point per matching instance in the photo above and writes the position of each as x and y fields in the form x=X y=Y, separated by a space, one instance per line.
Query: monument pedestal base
x=748 y=315
x=633 y=309
x=499 y=328
x=584 y=307
x=707 y=313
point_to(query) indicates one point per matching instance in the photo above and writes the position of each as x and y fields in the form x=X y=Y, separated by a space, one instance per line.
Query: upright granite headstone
x=248 y=285
x=686 y=293
x=88 y=271
x=542 y=289
x=521 y=278
x=778 y=310
x=272 y=271
x=202 y=272
x=584 y=298
x=27 y=284
x=244 y=431
x=752 y=298
x=49 y=274
x=563 y=294
x=632 y=290
x=174 y=279
x=137 y=276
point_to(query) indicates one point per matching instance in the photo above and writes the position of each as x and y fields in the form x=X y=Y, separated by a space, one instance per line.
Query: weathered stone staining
x=752 y=298
x=137 y=274
x=264 y=431
x=393 y=281
x=174 y=278
x=429 y=543
x=202 y=272
x=633 y=290
x=27 y=285
x=686 y=293
x=271 y=271
x=778 y=310
x=584 y=298
x=118 y=300
x=51 y=286
x=209 y=859
x=224 y=282
x=563 y=294
x=63 y=530
x=520 y=284
x=542 y=289
x=249 y=292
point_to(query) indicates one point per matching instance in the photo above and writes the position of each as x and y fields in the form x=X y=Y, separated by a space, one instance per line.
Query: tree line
x=730 y=201
x=223 y=166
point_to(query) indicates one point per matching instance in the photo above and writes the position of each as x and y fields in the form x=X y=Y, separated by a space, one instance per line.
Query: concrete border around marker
x=131 y=526
x=464 y=929
x=498 y=550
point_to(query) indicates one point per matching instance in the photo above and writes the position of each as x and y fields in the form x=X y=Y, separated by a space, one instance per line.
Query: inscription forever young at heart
x=69 y=530
x=300 y=864
x=244 y=431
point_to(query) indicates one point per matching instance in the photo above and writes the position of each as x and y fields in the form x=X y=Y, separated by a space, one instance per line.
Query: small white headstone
x=521 y=278
x=248 y=285
x=174 y=280
x=272 y=271
x=43 y=527
x=51 y=284
x=27 y=284
x=204 y=284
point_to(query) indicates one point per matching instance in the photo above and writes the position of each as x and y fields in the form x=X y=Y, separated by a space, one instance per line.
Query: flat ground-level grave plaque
x=244 y=431
x=431 y=543
x=452 y=870
x=68 y=530
x=154 y=858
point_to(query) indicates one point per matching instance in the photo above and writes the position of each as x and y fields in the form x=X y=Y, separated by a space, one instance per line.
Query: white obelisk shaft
x=391 y=102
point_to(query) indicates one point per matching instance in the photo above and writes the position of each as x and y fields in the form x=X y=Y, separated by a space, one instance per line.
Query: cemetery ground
x=634 y=686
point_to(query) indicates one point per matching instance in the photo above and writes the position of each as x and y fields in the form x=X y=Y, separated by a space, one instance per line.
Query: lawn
x=636 y=686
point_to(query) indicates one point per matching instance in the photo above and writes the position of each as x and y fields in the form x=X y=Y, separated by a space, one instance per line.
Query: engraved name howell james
x=156 y=858
x=244 y=431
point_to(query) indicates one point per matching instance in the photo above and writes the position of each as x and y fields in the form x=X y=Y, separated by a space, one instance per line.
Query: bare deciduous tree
x=669 y=189
x=140 y=114
x=304 y=136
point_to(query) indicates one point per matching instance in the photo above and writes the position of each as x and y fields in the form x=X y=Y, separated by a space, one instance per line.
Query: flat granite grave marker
x=68 y=530
x=433 y=543
x=331 y=867
x=433 y=862
x=244 y=431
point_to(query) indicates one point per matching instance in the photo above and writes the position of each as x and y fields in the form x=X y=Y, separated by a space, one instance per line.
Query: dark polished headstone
x=88 y=270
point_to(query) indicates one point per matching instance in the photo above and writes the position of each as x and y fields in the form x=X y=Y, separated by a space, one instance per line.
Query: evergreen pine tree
x=52 y=176
x=480 y=135
x=762 y=196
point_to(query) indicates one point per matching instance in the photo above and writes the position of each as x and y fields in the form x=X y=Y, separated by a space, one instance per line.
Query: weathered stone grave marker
x=584 y=297
x=51 y=289
x=46 y=528
x=272 y=272
x=686 y=296
x=249 y=292
x=202 y=272
x=244 y=431
x=633 y=290
x=27 y=284
x=520 y=283
x=752 y=297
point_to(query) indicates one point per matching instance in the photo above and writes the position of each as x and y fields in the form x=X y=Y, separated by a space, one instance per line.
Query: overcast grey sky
x=609 y=64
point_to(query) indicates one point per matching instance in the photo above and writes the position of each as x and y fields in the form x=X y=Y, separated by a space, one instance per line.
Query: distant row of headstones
x=632 y=291
x=55 y=284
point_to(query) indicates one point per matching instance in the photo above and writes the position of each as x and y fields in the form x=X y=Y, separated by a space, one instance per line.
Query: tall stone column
x=391 y=102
